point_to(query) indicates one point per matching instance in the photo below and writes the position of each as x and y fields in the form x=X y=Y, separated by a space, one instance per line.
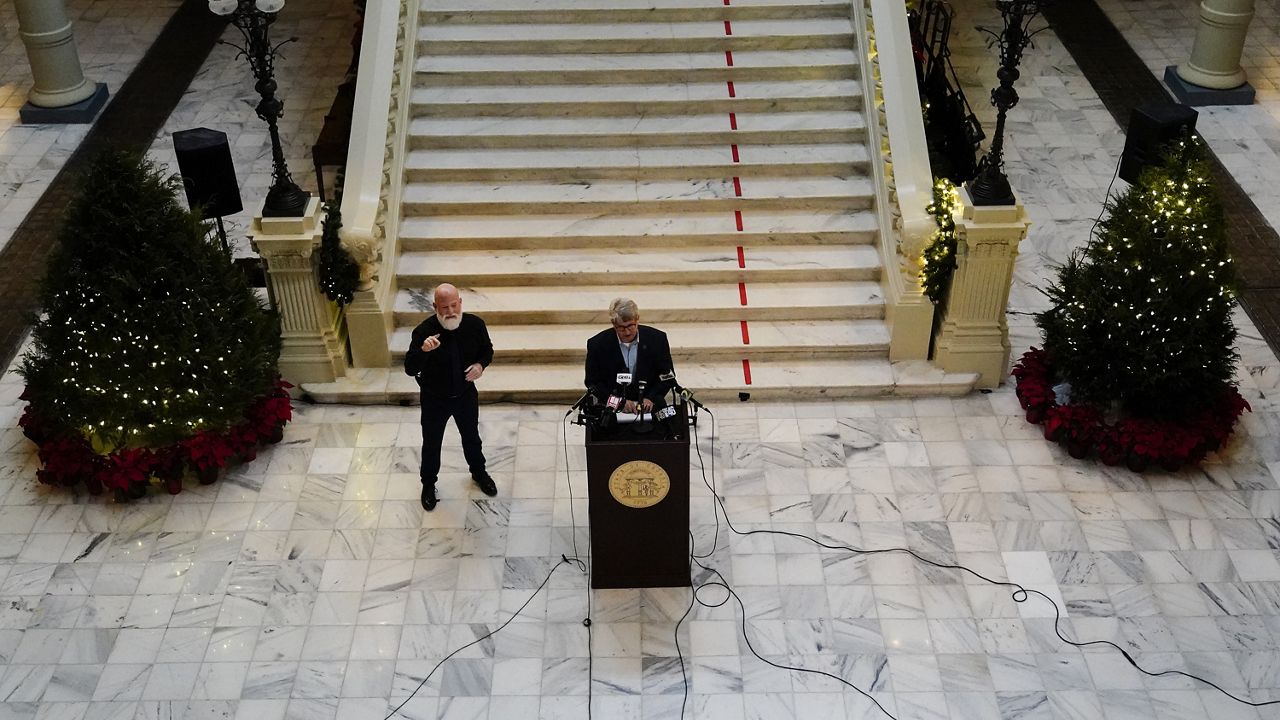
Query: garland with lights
x=339 y=273
x=1139 y=357
x=153 y=355
x=940 y=255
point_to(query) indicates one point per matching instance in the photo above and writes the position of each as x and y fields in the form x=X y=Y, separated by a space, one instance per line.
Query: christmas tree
x=1141 y=316
x=150 y=337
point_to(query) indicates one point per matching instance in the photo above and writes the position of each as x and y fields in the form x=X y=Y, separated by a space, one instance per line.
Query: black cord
x=586 y=567
x=1019 y=595
x=563 y=561
x=1115 y=173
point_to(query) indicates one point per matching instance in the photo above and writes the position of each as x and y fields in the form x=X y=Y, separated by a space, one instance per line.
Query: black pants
x=465 y=411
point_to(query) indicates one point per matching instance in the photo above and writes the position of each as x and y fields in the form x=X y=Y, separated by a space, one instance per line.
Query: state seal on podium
x=639 y=484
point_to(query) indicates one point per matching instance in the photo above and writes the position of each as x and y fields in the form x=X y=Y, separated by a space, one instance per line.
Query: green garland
x=339 y=273
x=940 y=256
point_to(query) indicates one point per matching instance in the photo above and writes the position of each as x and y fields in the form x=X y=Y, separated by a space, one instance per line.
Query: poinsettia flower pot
x=207 y=475
x=93 y=485
x=1035 y=415
x=1078 y=450
x=276 y=435
x=137 y=490
x=173 y=485
x=1136 y=463
x=1171 y=464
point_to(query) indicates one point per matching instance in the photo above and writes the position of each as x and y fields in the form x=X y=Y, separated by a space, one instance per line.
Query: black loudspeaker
x=209 y=176
x=1151 y=129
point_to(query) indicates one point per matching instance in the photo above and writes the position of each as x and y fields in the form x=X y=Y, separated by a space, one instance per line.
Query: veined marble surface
x=309 y=584
x=112 y=35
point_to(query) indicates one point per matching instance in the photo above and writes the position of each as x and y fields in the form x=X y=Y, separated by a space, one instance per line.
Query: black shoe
x=485 y=483
x=429 y=499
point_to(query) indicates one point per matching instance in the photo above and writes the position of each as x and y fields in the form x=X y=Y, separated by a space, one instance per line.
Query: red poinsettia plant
x=70 y=460
x=1138 y=442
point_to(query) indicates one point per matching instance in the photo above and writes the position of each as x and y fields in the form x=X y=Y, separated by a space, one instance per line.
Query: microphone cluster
x=610 y=413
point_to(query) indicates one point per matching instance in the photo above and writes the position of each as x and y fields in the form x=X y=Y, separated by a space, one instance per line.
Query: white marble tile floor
x=310 y=584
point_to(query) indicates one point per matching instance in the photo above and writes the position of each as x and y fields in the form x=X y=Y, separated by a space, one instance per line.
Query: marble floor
x=309 y=584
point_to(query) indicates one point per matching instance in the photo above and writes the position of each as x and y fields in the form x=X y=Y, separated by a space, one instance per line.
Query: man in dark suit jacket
x=448 y=353
x=629 y=347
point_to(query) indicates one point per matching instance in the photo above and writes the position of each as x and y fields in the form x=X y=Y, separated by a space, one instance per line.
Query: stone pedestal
x=1212 y=75
x=909 y=313
x=60 y=93
x=312 y=348
x=368 y=328
x=974 y=336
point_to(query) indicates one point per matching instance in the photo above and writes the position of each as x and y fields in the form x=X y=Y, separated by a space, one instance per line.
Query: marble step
x=639 y=131
x=659 y=304
x=527 y=268
x=520 y=37
x=689 y=341
x=616 y=100
x=656 y=163
x=638 y=197
x=714 y=383
x=822 y=64
x=618 y=11
x=514 y=232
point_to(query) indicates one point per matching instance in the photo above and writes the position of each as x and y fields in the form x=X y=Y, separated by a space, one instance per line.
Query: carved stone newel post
x=311 y=348
x=974 y=336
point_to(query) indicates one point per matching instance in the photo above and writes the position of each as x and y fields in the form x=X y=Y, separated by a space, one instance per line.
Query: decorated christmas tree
x=153 y=354
x=1141 y=316
x=1139 y=353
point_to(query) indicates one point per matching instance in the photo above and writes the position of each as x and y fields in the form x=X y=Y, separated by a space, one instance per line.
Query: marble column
x=312 y=347
x=974 y=336
x=1212 y=75
x=60 y=93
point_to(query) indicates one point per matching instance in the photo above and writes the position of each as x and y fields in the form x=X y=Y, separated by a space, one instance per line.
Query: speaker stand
x=222 y=235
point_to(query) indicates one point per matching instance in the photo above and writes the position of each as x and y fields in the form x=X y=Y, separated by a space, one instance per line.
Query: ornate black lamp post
x=253 y=18
x=990 y=186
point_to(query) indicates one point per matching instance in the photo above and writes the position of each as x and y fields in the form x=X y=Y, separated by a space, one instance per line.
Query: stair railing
x=375 y=171
x=900 y=169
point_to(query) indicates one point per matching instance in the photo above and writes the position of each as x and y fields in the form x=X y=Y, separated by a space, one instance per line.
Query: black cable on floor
x=563 y=561
x=1019 y=595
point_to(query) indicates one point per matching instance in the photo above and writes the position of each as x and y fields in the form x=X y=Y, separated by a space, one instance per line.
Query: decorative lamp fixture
x=990 y=186
x=253 y=18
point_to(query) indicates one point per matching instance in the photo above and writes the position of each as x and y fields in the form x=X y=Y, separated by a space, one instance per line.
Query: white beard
x=450 y=324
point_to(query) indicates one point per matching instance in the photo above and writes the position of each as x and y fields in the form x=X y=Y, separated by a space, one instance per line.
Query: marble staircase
x=706 y=158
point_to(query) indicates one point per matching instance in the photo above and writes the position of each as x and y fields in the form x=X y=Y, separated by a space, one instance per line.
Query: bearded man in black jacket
x=448 y=353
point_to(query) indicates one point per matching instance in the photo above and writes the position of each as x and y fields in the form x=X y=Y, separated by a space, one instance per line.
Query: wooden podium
x=638 y=490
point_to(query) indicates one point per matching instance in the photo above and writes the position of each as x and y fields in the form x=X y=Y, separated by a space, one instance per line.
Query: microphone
x=681 y=393
x=587 y=398
x=688 y=397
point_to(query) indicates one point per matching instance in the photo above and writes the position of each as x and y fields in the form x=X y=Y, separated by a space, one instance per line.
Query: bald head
x=448 y=306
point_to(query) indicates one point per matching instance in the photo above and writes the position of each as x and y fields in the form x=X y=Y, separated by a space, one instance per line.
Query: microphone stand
x=642 y=426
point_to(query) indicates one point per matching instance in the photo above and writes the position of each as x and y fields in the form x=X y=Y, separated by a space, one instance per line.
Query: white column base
x=1219 y=43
